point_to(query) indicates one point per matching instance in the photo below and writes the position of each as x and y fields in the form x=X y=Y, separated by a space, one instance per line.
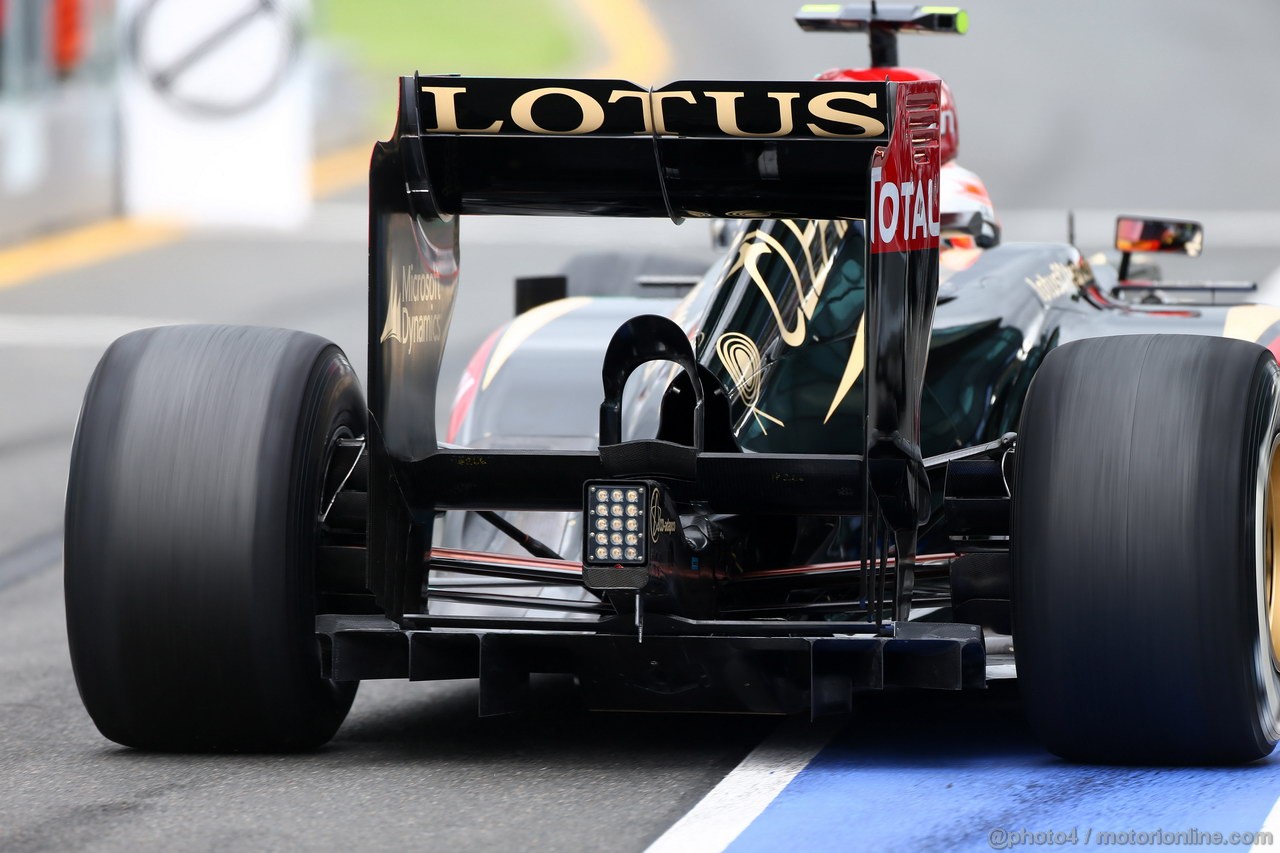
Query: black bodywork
x=820 y=432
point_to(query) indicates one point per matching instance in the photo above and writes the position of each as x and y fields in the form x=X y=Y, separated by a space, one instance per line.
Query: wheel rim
x=1267 y=577
x=1271 y=559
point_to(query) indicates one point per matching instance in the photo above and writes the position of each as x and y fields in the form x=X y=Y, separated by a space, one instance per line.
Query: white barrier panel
x=216 y=111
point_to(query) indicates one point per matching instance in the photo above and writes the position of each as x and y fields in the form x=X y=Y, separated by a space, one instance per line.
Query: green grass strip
x=472 y=37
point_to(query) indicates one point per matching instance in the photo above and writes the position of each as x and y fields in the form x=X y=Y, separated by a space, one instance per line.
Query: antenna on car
x=882 y=23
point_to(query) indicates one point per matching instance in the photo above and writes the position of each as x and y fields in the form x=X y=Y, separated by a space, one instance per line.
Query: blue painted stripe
x=944 y=780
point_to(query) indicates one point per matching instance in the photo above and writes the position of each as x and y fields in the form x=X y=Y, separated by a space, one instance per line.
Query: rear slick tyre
x=1145 y=505
x=191 y=538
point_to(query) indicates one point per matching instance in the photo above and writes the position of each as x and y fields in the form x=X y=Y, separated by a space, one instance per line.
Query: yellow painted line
x=114 y=238
x=637 y=49
x=81 y=247
x=341 y=170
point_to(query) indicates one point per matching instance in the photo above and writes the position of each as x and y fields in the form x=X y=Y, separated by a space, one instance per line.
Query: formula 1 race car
x=871 y=448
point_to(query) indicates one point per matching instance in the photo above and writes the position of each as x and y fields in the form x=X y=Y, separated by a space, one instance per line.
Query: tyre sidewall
x=1135 y=552
x=191 y=517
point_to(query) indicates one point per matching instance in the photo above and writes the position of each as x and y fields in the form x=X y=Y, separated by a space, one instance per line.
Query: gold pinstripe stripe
x=523 y=327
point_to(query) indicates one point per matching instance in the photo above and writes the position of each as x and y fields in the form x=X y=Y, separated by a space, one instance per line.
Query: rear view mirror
x=1136 y=234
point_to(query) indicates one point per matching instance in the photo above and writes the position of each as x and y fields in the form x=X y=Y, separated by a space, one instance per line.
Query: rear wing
x=805 y=150
x=612 y=148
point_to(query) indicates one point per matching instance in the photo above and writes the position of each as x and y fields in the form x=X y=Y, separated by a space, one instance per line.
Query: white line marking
x=731 y=806
x=69 y=330
x=1271 y=825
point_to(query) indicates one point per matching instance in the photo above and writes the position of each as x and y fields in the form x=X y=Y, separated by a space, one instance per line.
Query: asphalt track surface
x=1103 y=107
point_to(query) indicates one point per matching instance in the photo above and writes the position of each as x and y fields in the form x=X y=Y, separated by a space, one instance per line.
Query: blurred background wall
x=59 y=140
x=66 y=68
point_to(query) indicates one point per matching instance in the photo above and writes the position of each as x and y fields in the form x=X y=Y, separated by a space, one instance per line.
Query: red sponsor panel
x=905 y=175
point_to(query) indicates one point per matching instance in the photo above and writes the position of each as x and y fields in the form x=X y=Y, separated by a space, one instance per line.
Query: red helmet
x=949 y=136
